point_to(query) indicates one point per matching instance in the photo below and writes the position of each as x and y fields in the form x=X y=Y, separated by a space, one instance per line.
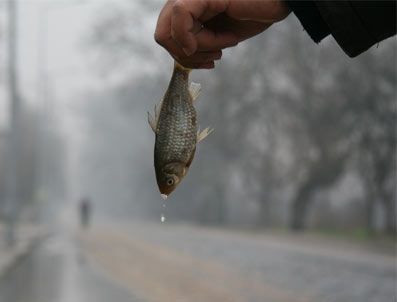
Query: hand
x=194 y=32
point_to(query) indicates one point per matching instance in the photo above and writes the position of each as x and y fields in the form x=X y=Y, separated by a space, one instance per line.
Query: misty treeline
x=40 y=163
x=304 y=136
x=40 y=154
x=40 y=147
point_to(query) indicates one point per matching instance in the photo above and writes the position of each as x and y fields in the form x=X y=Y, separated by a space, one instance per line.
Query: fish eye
x=170 y=181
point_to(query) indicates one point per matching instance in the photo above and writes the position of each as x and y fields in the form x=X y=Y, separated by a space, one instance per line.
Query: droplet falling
x=162 y=219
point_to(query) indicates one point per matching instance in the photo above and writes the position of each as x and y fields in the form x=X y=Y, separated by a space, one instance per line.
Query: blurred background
x=292 y=198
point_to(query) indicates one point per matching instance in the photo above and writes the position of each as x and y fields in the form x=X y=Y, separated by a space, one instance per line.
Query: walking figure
x=85 y=212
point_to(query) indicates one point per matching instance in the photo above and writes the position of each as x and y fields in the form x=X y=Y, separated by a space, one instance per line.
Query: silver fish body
x=175 y=126
x=176 y=131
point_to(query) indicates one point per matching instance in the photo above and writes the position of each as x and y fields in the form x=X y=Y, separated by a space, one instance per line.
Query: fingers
x=200 y=59
x=186 y=15
x=207 y=40
x=182 y=23
x=163 y=26
x=179 y=30
x=194 y=32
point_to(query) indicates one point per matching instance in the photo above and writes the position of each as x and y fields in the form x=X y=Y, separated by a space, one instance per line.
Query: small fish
x=176 y=130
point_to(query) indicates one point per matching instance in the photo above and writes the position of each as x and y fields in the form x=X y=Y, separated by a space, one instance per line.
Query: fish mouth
x=164 y=196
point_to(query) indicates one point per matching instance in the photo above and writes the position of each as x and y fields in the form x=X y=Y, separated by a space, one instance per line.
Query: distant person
x=85 y=212
x=195 y=32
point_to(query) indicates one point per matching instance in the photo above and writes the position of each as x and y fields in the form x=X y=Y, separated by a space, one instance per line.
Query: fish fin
x=203 y=134
x=152 y=122
x=157 y=109
x=194 y=89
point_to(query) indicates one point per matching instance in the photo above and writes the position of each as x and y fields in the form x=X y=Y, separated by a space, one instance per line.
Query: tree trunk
x=299 y=209
x=322 y=174
x=263 y=215
x=221 y=209
x=389 y=205
x=369 y=212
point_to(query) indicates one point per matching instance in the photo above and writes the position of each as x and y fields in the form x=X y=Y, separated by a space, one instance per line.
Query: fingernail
x=187 y=51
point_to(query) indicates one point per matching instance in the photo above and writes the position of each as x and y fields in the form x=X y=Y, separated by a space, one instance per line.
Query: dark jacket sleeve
x=355 y=25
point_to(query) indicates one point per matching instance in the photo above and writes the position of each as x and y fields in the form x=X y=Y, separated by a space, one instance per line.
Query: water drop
x=162 y=218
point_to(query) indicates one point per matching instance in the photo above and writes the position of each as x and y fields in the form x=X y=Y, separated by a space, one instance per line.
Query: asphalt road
x=57 y=271
x=180 y=263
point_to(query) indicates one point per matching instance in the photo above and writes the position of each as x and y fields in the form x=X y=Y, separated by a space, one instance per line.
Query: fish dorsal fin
x=194 y=89
x=157 y=109
x=152 y=122
x=203 y=134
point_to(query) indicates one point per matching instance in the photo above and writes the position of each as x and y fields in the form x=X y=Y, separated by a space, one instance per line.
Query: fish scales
x=175 y=126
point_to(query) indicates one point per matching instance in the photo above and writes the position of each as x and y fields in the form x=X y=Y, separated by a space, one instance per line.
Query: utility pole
x=11 y=205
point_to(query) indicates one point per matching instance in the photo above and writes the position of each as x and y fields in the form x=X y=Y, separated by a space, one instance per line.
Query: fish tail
x=180 y=67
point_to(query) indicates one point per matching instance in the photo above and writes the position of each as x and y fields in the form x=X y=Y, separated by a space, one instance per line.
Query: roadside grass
x=379 y=241
x=359 y=237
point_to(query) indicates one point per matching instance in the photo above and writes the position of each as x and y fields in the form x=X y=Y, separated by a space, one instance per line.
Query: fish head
x=169 y=177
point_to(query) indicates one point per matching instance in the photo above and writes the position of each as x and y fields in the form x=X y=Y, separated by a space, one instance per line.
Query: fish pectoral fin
x=152 y=122
x=194 y=89
x=203 y=134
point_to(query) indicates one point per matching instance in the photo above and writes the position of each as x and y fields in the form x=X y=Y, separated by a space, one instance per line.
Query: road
x=184 y=263
x=57 y=271
x=181 y=263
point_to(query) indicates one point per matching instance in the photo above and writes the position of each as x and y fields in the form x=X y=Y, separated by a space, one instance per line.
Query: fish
x=177 y=133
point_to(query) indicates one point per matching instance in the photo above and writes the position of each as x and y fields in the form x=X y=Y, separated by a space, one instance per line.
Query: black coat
x=355 y=25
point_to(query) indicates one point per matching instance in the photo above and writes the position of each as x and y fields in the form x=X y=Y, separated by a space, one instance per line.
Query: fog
x=304 y=140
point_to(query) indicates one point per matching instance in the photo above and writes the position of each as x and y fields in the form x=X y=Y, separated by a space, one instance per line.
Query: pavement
x=184 y=263
x=56 y=270
x=171 y=263
x=27 y=236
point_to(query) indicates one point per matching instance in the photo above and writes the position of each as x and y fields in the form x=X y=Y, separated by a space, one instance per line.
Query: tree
x=373 y=104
